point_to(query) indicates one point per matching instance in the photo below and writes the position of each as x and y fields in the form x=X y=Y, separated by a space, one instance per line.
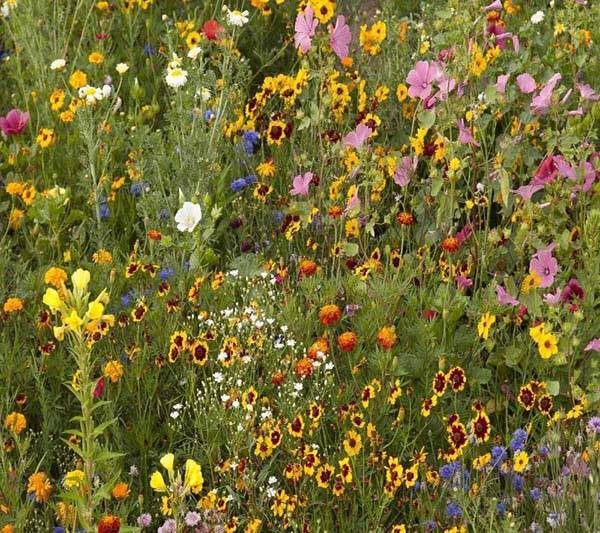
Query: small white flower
x=237 y=18
x=537 y=17
x=122 y=68
x=235 y=404
x=174 y=414
x=91 y=94
x=298 y=386
x=194 y=52
x=271 y=492
x=218 y=377
x=58 y=64
x=188 y=216
x=225 y=397
x=272 y=480
x=176 y=77
x=106 y=91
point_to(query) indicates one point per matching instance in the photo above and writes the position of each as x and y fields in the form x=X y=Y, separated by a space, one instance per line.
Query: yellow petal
x=167 y=461
x=52 y=299
x=80 y=279
x=95 y=310
x=157 y=482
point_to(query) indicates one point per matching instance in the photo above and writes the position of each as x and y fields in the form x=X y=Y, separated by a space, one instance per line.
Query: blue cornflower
x=136 y=189
x=148 y=50
x=518 y=483
x=164 y=214
x=166 y=273
x=535 y=494
x=498 y=455
x=208 y=115
x=453 y=510
x=250 y=179
x=518 y=440
x=58 y=529
x=250 y=140
x=430 y=525
x=501 y=508
x=104 y=211
x=448 y=470
x=278 y=217
x=238 y=184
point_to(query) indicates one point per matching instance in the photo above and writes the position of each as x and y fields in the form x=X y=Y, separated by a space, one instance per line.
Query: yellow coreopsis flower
x=483 y=328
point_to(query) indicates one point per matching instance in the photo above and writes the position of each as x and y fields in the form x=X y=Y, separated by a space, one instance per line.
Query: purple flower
x=496 y=5
x=544 y=265
x=465 y=136
x=594 y=344
x=593 y=425
x=192 y=518
x=14 y=122
x=501 y=83
x=144 y=520
x=405 y=170
x=541 y=102
x=518 y=440
x=587 y=93
x=571 y=290
x=170 y=526
x=421 y=79
x=526 y=83
x=301 y=184
x=504 y=298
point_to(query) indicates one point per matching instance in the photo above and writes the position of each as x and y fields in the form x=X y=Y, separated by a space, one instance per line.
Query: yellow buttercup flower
x=486 y=322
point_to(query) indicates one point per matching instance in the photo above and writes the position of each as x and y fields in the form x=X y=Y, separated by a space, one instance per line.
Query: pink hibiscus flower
x=544 y=265
x=340 y=37
x=405 y=170
x=305 y=27
x=301 y=184
x=421 y=79
x=14 y=122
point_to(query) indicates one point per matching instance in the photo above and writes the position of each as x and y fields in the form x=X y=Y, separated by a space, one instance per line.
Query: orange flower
x=155 y=235
x=387 y=337
x=320 y=345
x=450 y=244
x=347 y=341
x=330 y=314
x=120 y=491
x=109 y=524
x=307 y=268
x=304 y=367
x=405 y=219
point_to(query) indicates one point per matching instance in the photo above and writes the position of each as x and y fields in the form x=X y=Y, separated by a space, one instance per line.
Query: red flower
x=109 y=524
x=212 y=30
x=99 y=388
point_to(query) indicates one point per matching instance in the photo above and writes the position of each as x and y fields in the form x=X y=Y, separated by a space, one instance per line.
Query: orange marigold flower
x=155 y=235
x=347 y=341
x=55 y=276
x=387 y=337
x=307 y=268
x=13 y=305
x=304 y=367
x=329 y=314
x=320 y=345
x=15 y=422
x=405 y=219
x=120 y=491
x=39 y=486
x=109 y=524
x=450 y=244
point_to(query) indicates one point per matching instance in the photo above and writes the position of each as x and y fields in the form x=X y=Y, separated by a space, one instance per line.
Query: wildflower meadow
x=299 y=265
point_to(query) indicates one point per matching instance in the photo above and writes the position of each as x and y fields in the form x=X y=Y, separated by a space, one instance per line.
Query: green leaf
x=426 y=119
